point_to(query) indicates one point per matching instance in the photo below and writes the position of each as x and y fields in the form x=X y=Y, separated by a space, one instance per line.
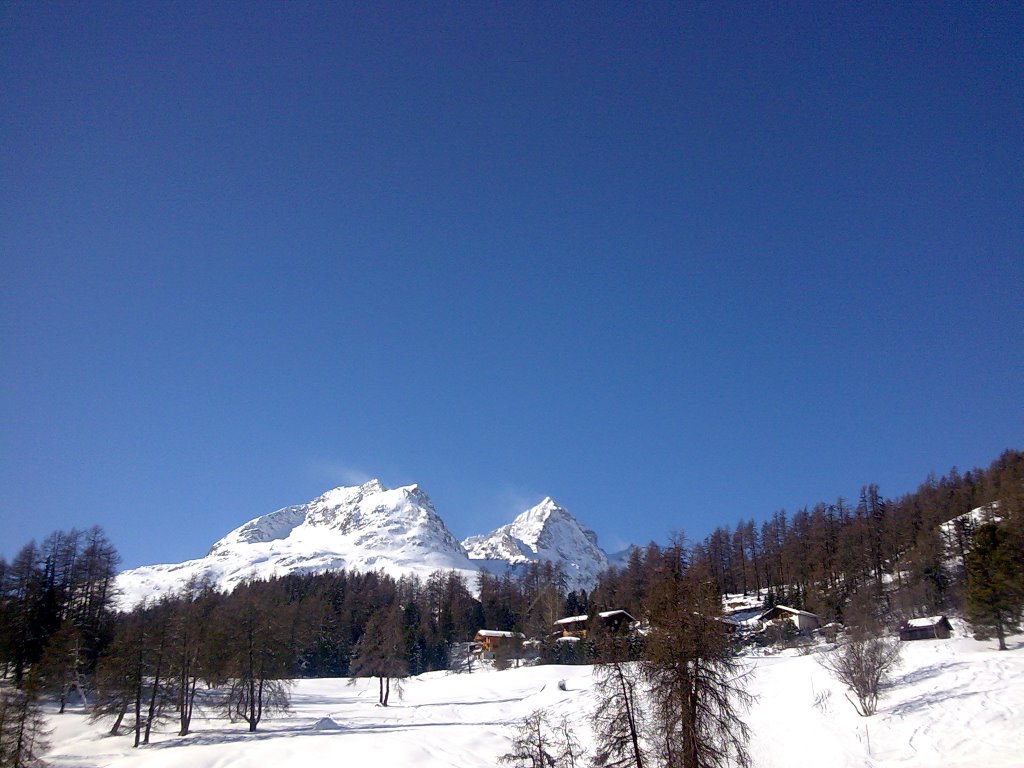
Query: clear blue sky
x=670 y=264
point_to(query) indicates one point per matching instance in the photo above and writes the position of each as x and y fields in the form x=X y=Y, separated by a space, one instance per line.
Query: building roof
x=786 y=608
x=927 y=621
x=572 y=619
x=609 y=614
x=498 y=633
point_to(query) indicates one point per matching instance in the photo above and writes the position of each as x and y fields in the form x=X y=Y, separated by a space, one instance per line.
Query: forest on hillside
x=877 y=559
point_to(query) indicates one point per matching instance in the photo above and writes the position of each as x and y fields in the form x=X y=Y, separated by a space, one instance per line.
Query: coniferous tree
x=190 y=646
x=995 y=593
x=121 y=674
x=23 y=733
x=255 y=627
x=619 y=718
x=62 y=666
x=532 y=743
x=381 y=652
x=696 y=685
x=23 y=592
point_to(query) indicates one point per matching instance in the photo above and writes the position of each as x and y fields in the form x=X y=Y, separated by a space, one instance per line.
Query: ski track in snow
x=953 y=702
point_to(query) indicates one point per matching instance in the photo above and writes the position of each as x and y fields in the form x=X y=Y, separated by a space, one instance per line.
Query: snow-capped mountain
x=369 y=527
x=362 y=528
x=544 y=532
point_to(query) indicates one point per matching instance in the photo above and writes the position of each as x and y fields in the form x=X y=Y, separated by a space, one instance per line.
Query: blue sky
x=673 y=265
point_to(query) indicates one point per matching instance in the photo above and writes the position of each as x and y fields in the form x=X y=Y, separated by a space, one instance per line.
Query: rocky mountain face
x=544 y=532
x=370 y=527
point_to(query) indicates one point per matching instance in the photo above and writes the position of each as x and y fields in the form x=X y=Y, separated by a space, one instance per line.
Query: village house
x=573 y=626
x=802 y=620
x=494 y=641
x=577 y=626
x=617 y=621
x=928 y=628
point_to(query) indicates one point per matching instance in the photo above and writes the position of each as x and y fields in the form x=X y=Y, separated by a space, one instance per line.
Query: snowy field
x=954 y=702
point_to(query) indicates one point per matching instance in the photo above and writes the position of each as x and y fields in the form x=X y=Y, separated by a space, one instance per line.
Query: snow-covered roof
x=498 y=633
x=567 y=640
x=786 y=608
x=927 y=621
x=572 y=619
x=609 y=614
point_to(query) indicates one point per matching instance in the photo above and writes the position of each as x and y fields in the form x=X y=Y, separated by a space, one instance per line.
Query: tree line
x=908 y=556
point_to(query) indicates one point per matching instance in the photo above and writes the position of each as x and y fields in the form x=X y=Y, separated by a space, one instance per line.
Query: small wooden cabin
x=803 y=620
x=492 y=641
x=928 y=628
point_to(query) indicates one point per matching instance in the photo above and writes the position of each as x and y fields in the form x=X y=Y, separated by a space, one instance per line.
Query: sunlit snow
x=954 y=702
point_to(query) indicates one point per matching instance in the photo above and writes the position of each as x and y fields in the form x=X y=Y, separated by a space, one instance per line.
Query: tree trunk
x=628 y=699
x=252 y=706
x=152 y=704
x=120 y=717
x=138 y=713
x=187 y=703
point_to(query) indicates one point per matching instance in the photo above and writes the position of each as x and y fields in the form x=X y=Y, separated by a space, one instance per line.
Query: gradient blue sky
x=672 y=265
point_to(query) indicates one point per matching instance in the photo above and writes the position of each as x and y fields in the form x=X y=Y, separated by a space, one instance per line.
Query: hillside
x=954 y=702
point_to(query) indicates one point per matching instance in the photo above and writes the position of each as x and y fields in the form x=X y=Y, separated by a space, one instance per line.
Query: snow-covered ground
x=954 y=702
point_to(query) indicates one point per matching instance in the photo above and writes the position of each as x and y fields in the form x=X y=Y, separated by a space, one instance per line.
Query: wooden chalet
x=491 y=641
x=802 y=620
x=573 y=626
x=927 y=628
x=616 y=621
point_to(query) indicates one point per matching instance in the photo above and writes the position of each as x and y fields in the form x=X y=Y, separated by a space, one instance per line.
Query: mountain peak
x=362 y=528
x=546 y=531
x=369 y=527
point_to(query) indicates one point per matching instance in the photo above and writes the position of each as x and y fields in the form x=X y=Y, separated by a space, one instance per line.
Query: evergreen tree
x=995 y=594
x=381 y=652
x=61 y=669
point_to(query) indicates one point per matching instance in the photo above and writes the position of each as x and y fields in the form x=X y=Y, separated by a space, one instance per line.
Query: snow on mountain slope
x=366 y=527
x=544 y=532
